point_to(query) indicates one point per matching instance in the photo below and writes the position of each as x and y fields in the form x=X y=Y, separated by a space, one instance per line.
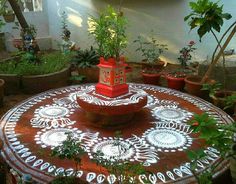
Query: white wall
x=165 y=17
x=39 y=20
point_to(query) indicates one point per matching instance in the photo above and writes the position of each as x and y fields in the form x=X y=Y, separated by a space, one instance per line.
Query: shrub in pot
x=208 y=16
x=175 y=79
x=108 y=31
x=152 y=64
x=85 y=61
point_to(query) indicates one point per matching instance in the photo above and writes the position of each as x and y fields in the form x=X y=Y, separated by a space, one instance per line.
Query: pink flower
x=191 y=42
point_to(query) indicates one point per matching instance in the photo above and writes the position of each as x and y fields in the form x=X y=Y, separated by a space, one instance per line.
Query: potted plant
x=70 y=149
x=32 y=74
x=108 y=31
x=207 y=16
x=221 y=98
x=7 y=14
x=85 y=61
x=152 y=64
x=175 y=79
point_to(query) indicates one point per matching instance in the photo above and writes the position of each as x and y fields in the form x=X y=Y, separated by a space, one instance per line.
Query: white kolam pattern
x=53 y=120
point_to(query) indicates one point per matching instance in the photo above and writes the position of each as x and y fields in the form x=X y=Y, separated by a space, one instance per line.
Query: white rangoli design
x=168 y=133
x=125 y=149
x=171 y=113
x=52 y=116
x=169 y=137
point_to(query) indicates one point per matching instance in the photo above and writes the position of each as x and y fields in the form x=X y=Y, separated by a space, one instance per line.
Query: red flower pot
x=175 y=82
x=151 y=78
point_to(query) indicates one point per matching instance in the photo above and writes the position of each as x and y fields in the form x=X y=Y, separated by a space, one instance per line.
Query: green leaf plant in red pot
x=175 y=79
x=152 y=65
x=109 y=32
x=208 y=17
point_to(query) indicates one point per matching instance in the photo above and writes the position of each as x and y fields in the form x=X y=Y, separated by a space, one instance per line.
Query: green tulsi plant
x=108 y=31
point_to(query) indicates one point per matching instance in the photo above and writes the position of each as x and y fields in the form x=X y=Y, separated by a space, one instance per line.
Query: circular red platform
x=92 y=102
x=158 y=134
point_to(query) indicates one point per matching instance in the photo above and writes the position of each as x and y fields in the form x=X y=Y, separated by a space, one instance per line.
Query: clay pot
x=193 y=86
x=149 y=67
x=2 y=82
x=151 y=78
x=9 y=17
x=12 y=83
x=17 y=43
x=219 y=100
x=91 y=74
x=175 y=82
x=39 y=83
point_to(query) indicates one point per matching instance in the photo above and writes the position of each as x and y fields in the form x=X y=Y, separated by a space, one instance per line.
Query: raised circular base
x=105 y=111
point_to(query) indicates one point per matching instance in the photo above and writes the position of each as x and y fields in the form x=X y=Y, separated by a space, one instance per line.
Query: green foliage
x=230 y=101
x=151 y=50
x=1 y=24
x=206 y=16
x=126 y=172
x=50 y=63
x=109 y=32
x=85 y=58
x=212 y=88
x=4 y=9
x=218 y=136
x=70 y=149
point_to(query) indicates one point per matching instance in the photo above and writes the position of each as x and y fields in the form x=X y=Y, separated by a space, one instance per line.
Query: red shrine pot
x=112 y=77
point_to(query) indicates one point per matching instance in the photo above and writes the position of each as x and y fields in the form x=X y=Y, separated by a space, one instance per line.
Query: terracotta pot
x=2 y=82
x=219 y=100
x=91 y=74
x=9 y=17
x=193 y=86
x=12 y=83
x=39 y=83
x=151 y=78
x=175 y=82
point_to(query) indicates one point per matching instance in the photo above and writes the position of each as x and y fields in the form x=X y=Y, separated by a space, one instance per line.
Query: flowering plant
x=185 y=54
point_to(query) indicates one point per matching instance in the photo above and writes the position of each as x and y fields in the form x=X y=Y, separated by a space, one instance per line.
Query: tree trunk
x=18 y=13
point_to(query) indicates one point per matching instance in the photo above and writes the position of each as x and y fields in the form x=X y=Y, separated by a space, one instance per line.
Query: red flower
x=195 y=123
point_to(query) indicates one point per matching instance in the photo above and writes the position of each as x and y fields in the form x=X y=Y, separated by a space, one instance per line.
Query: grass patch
x=49 y=63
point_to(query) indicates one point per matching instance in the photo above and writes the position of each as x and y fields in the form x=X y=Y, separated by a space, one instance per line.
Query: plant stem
x=218 y=55
x=223 y=56
x=222 y=37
